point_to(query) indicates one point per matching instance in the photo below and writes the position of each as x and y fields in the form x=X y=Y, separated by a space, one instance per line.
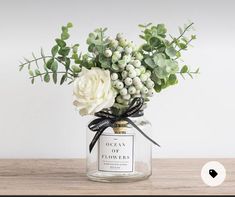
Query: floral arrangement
x=114 y=71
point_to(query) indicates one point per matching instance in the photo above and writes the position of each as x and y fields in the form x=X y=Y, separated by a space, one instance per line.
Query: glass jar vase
x=121 y=154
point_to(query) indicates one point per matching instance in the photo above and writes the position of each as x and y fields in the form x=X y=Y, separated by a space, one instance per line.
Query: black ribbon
x=106 y=120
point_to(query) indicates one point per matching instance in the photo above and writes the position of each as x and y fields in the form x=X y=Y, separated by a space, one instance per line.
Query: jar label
x=116 y=153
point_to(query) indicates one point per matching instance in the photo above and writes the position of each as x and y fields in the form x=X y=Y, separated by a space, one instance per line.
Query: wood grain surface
x=67 y=176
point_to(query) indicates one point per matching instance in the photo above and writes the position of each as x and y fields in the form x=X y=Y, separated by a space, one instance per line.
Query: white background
x=193 y=119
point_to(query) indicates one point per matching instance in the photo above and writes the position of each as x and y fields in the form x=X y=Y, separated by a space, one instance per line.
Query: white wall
x=193 y=119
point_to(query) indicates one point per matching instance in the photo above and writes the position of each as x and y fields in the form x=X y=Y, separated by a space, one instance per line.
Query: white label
x=116 y=153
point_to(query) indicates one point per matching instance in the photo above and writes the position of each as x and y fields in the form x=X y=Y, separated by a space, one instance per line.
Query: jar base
x=117 y=177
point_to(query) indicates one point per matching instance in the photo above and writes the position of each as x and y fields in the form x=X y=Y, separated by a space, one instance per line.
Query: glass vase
x=122 y=153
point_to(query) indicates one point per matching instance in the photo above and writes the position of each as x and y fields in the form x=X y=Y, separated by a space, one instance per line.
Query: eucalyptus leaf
x=150 y=62
x=54 y=50
x=157 y=88
x=49 y=63
x=171 y=52
x=159 y=59
x=164 y=84
x=141 y=26
x=178 y=54
x=67 y=63
x=161 y=29
x=172 y=66
x=154 y=41
x=99 y=48
x=182 y=46
x=91 y=47
x=161 y=73
x=47 y=77
x=63 y=78
x=32 y=80
x=142 y=37
x=180 y=30
x=64 y=29
x=75 y=48
x=54 y=66
x=31 y=73
x=37 y=72
x=172 y=79
x=60 y=42
x=64 y=51
x=155 y=79
x=69 y=24
x=54 y=76
x=193 y=37
x=74 y=56
x=146 y=47
x=76 y=69
x=184 y=69
x=43 y=56
x=104 y=61
x=64 y=36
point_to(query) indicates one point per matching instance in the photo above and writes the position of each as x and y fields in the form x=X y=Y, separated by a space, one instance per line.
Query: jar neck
x=121 y=126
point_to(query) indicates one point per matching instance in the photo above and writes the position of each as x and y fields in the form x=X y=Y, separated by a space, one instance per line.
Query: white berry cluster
x=129 y=77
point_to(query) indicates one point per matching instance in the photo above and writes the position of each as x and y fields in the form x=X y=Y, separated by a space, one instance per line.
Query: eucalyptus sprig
x=161 y=54
x=59 y=62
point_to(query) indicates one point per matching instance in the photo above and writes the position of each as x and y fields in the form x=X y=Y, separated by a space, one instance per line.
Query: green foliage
x=147 y=47
x=153 y=35
x=149 y=61
x=49 y=63
x=154 y=42
x=63 y=79
x=76 y=69
x=171 y=52
x=161 y=65
x=64 y=51
x=104 y=61
x=58 y=63
x=97 y=44
x=172 y=79
x=161 y=30
x=30 y=72
x=60 y=42
x=47 y=77
x=37 y=72
x=65 y=35
x=54 y=67
x=54 y=50
x=161 y=54
x=184 y=69
x=158 y=55
x=54 y=76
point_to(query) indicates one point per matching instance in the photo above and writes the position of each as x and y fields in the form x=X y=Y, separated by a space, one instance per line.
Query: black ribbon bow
x=106 y=120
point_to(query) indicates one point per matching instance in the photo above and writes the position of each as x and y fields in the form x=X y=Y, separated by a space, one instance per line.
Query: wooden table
x=170 y=176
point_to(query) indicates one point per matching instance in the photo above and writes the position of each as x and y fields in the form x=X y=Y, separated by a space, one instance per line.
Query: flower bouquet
x=113 y=82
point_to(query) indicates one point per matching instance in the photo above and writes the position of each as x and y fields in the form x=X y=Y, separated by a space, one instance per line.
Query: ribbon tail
x=137 y=128
x=95 y=139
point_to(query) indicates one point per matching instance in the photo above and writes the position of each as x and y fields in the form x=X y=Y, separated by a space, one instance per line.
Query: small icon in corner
x=213 y=173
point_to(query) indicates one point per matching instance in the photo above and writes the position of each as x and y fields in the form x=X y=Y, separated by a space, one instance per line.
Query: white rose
x=93 y=91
